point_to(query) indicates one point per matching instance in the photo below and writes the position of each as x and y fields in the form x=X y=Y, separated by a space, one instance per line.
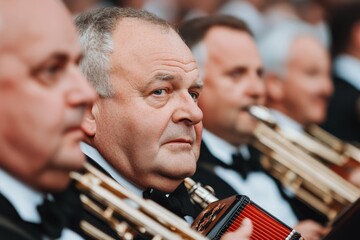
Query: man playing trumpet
x=297 y=79
x=232 y=71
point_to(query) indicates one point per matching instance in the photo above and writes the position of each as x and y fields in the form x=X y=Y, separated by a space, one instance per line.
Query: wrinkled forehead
x=144 y=49
x=143 y=38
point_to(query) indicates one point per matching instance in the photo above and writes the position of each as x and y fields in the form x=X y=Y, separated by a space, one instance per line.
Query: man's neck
x=93 y=153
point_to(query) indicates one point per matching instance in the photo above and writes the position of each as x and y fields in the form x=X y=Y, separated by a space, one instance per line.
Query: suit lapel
x=205 y=174
x=13 y=226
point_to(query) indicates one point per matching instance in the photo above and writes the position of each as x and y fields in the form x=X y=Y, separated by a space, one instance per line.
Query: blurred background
x=260 y=15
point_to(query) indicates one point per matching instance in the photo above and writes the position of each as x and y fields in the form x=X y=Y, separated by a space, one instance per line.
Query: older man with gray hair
x=297 y=75
x=144 y=130
x=297 y=79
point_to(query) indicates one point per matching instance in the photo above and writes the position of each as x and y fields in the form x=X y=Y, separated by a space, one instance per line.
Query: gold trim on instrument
x=138 y=216
x=309 y=179
x=344 y=149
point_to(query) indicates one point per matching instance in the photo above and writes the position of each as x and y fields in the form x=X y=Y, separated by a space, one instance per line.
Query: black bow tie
x=177 y=202
x=65 y=211
x=242 y=166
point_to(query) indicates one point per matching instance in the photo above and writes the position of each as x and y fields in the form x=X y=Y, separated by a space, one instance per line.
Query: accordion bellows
x=227 y=215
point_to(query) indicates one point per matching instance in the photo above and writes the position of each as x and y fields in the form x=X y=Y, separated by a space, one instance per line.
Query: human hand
x=354 y=177
x=242 y=233
x=311 y=230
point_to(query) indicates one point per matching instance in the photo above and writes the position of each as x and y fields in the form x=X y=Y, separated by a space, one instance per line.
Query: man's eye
x=49 y=75
x=238 y=72
x=194 y=96
x=159 y=92
x=312 y=72
x=53 y=69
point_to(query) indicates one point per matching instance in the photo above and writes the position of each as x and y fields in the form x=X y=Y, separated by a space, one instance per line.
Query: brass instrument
x=126 y=213
x=349 y=155
x=342 y=157
x=309 y=179
x=200 y=195
x=341 y=147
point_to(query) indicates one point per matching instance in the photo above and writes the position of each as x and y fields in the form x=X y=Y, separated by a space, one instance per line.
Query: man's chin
x=53 y=181
x=71 y=159
x=168 y=186
x=317 y=118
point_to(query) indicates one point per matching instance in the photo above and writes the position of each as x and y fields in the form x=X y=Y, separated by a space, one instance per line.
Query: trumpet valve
x=210 y=189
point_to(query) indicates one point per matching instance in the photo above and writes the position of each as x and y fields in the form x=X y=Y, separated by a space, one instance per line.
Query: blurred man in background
x=297 y=79
x=43 y=99
x=297 y=75
x=231 y=68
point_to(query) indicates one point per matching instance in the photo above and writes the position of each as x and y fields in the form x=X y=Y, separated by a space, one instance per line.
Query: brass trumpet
x=126 y=213
x=309 y=179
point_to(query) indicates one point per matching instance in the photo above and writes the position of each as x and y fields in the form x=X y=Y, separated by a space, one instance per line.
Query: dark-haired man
x=231 y=69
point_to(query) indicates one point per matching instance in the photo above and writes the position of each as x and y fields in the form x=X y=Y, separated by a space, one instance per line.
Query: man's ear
x=274 y=86
x=88 y=125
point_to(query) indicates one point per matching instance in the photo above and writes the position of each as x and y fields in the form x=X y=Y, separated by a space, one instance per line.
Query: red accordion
x=227 y=215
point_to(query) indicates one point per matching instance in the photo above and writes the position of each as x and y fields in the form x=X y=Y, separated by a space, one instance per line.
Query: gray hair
x=275 y=46
x=95 y=29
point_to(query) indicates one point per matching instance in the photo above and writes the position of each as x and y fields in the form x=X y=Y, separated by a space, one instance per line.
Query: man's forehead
x=136 y=36
x=20 y=17
x=150 y=42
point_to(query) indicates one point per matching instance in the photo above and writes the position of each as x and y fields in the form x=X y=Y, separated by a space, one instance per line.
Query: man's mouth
x=181 y=140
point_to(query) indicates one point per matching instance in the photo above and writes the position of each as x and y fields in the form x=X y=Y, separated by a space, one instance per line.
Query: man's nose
x=81 y=93
x=187 y=110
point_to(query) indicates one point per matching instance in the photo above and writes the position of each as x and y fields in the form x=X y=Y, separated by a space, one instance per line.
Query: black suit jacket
x=343 y=119
x=206 y=175
x=191 y=209
x=12 y=227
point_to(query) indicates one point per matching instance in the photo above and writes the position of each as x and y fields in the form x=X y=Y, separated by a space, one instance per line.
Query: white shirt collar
x=24 y=199
x=96 y=156
x=257 y=184
x=222 y=149
x=286 y=122
x=348 y=69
